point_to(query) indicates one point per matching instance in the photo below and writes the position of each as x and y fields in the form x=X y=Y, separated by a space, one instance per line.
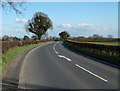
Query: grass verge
x=12 y=54
x=102 y=56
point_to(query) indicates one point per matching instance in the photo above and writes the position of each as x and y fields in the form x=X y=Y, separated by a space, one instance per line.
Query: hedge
x=108 y=49
x=107 y=53
x=6 y=45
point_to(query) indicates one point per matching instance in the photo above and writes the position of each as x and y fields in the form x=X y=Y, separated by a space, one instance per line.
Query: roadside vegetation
x=103 y=48
x=106 y=53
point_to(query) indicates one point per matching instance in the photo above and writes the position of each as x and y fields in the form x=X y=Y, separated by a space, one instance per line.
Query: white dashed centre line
x=68 y=59
x=91 y=73
x=56 y=52
x=54 y=48
x=64 y=57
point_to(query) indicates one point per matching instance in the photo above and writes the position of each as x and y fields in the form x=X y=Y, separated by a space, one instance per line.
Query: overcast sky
x=78 y=18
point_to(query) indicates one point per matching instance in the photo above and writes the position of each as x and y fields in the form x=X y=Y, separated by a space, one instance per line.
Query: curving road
x=55 y=66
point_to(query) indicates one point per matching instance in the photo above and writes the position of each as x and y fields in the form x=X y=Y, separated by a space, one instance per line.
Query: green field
x=116 y=43
x=106 y=43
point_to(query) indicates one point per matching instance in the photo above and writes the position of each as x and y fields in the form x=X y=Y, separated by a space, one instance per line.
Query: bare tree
x=9 y=4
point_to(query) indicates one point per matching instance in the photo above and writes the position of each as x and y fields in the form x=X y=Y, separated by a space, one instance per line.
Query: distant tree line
x=27 y=38
x=94 y=38
x=63 y=36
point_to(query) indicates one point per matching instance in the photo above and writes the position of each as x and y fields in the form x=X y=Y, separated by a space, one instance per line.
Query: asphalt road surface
x=54 y=66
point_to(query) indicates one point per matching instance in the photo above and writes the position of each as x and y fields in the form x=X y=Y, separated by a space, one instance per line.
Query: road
x=57 y=67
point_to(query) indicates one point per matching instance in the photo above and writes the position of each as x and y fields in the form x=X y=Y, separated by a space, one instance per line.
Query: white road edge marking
x=91 y=73
x=8 y=85
x=11 y=81
x=20 y=77
x=64 y=57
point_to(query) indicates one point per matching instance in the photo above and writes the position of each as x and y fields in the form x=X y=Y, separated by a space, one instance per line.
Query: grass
x=102 y=56
x=116 y=43
x=11 y=56
x=106 y=43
